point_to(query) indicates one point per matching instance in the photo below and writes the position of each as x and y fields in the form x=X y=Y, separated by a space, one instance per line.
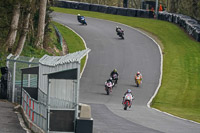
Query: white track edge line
x=161 y=69
x=161 y=72
x=84 y=45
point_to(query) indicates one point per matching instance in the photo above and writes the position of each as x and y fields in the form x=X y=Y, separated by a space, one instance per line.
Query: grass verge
x=73 y=41
x=180 y=90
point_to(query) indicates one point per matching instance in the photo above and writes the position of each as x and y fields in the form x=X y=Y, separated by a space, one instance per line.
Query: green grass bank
x=73 y=41
x=180 y=89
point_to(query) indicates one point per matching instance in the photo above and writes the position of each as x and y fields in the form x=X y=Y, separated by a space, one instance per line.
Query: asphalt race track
x=136 y=53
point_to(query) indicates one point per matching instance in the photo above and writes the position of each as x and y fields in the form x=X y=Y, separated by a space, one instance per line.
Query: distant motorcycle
x=127 y=102
x=108 y=87
x=138 y=81
x=82 y=20
x=115 y=79
x=121 y=34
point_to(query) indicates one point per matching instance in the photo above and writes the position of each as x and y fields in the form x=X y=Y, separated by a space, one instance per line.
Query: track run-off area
x=137 y=52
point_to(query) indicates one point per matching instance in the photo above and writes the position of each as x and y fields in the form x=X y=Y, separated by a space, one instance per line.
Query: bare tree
x=41 y=24
x=13 y=28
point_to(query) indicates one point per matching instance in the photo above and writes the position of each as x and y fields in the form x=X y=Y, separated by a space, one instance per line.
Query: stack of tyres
x=112 y=10
x=182 y=21
x=84 y=6
x=73 y=4
x=122 y=11
x=190 y=26
x=131 y=12
x=102 y=8
x=94 y=7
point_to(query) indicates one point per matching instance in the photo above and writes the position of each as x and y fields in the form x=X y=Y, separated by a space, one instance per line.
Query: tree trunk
x=119 y=3
x=24 y=32
x=41 y=24
x=13 y=28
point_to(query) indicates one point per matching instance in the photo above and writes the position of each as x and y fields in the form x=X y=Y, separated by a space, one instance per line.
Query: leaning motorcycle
x=82 y=21
x=114 y=79
x=138 y=81
x=121 y=34
x=108 y=87
x=127 y=101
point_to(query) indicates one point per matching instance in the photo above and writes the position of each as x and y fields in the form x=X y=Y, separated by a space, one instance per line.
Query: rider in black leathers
x=114 y=72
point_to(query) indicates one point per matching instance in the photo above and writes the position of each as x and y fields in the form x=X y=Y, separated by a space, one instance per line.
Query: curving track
x=136 y=53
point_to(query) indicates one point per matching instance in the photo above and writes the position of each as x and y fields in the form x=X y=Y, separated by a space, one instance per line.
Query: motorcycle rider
x=138 y=74
x=109 y=80
x=79 y=18
x=128 y=92
x=114 y=72
x=119 y=30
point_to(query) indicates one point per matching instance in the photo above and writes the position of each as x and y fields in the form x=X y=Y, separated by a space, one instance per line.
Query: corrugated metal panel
x=52 y=64
x=60 y=60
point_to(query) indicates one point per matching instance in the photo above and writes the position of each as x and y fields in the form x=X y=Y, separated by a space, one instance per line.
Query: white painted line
x=161 y=72
x=84 y=44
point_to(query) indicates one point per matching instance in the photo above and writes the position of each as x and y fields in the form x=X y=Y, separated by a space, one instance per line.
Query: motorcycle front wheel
x=125 y=106
x=107 y=91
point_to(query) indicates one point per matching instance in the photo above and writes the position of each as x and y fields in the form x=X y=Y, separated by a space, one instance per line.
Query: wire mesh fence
x=15 y=64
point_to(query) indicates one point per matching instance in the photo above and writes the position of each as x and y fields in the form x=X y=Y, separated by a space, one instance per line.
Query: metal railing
x=36 y=111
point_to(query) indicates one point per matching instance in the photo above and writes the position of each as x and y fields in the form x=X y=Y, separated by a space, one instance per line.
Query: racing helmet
x=129 y=91
x=138 y=73
x=117 y=26
x=115 y=70
x=79 y=15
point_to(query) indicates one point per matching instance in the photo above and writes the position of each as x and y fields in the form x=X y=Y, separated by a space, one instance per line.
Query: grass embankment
x=73 y=41
x=180 y=90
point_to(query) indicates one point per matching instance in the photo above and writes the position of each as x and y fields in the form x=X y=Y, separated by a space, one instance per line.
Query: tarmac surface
x=9 y=122
x=136 y=53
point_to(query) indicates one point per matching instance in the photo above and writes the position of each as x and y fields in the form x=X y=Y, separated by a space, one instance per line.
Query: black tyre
x=125 y=106
x=107 y=91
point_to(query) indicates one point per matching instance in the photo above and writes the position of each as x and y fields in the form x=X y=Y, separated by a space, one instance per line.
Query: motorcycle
x=127 y=102
x=114 y=79
x=138 y=81
x=121 y=34
x=82 y=21
x=108 y=87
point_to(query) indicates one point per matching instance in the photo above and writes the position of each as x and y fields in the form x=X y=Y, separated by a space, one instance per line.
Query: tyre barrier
x=190 y=25
x=122 y=11
x=105 y=9
x=131 y=12
x=84 y=6
x=112 y=10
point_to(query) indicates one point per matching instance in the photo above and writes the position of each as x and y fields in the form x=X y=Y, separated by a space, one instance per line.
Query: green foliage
x=73 y=41
x=180 y=90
